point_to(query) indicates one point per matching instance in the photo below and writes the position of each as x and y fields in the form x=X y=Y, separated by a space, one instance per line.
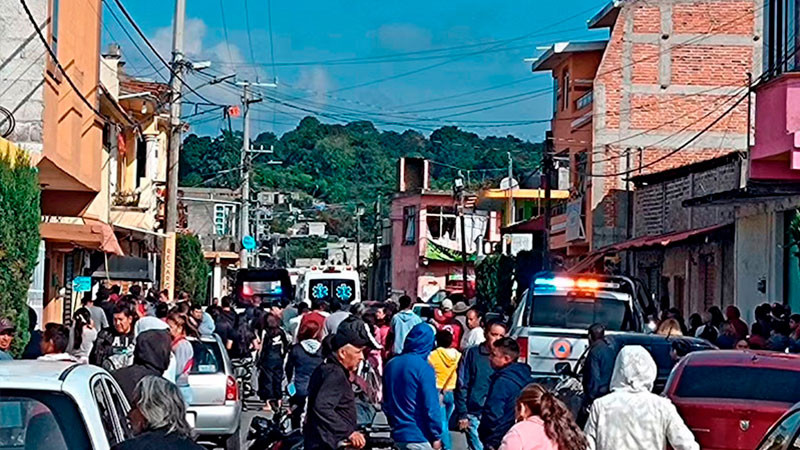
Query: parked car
x=784 y=433
x=730 y=398
x=216 y=408
x=60 y=406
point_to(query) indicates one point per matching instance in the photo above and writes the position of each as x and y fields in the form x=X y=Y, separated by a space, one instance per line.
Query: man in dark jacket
x=331 y=416
x=474 y=373
x=410 y=397
x=599 y=364
x=151 y=357
x=113 y=348
x=506 y=384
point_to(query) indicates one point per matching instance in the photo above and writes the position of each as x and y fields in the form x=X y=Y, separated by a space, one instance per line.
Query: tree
x=19 y=239
x=495 y=281
x=191 y=268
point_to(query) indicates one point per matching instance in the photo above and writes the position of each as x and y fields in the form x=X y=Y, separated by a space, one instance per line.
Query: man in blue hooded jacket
x=506 y=384
x=402 y=323
x=410 y=398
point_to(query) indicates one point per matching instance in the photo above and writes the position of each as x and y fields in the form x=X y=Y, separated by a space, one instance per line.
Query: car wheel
x=234 y=441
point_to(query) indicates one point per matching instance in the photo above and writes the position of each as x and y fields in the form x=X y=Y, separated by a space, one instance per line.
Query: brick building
x=661 y=93
x=670 y=69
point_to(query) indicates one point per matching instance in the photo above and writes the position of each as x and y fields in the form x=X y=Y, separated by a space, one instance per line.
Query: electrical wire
x=249 y=35
x=225 y=30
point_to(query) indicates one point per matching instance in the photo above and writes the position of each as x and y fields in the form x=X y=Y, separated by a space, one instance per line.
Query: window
x=441 y=221
x=54 y=26
x=781 y=27
x=40 y=419
x=120 y=405
x=207 y=358
x=739 y=383
x=562 y=311
x=565 y=97
x=141 y=161
x=222 y=219
x=106 y=414
x=409 y=225
x=556 y=94
x=783 y=433
x=343 y=290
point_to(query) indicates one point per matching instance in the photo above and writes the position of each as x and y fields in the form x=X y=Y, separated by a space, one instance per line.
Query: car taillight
x=522 y=341
x=231 y=389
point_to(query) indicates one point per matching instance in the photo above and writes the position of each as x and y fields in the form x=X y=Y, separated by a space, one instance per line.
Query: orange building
x=573 y=66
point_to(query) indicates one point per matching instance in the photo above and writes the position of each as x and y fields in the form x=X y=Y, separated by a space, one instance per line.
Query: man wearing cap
x=331 y=417
x=446 y=321
x=6 y=338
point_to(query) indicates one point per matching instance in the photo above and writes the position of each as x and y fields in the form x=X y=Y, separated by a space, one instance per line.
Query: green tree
x=307 y=247
x=191 y=268
x=19 y=239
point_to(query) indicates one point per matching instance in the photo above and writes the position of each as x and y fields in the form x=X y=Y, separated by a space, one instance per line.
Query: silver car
x=216 y=409
x=60 y=406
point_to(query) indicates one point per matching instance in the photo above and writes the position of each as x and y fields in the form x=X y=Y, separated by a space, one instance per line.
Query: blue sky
x=313 y=32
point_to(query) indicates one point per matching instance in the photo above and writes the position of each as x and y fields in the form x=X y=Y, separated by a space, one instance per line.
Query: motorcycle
x=243 y=371
x=273 y=434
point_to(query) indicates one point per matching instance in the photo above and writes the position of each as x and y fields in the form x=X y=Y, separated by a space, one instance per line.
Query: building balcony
x=775 y=154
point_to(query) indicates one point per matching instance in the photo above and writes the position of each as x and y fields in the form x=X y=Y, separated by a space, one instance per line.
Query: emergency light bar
x=589 y=284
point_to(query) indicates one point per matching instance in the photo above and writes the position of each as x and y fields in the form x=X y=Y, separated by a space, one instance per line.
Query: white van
x=330 y=283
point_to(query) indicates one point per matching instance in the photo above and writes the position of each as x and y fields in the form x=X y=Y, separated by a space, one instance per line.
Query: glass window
x=563 y=311
x=106 y=414
x=120 y=408
x=409 y=225
x=782 y=434
x=40 y=420
x=565 y=104
x=332 y=289
x=222 y=221
x=54 y=26
x=739 y=383
x=207 y=358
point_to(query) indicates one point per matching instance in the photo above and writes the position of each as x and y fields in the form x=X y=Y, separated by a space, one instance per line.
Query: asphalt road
x=459 y=440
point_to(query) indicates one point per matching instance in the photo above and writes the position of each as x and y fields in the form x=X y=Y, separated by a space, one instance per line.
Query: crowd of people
x=775 y=328
x=447 y=369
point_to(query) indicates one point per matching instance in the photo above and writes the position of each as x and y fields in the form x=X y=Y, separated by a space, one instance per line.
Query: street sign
x=249 y=243
x=82 y=284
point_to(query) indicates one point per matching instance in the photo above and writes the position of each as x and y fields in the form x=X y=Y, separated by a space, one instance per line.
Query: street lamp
x=458 y=195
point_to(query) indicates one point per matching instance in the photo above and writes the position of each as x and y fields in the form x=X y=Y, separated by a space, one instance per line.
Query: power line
x=225 y=29
x=135 y=45
x=249 y=35
x=153 y=49
x=57 y=62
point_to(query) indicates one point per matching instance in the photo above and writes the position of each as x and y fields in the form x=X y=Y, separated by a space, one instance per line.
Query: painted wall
x=777 y=133
x=758 y=257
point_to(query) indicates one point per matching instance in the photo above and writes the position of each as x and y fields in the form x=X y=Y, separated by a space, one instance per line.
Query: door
x=108 y=414
x=782 y=433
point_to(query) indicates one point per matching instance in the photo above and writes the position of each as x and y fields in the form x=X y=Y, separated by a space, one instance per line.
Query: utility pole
x=244 y=220
x=359 y=213
x=547 y=177
x=512 y=214
x=173 y=156
x=375 y=294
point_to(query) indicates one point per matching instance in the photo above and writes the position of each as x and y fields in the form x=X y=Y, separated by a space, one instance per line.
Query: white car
x=60 y=406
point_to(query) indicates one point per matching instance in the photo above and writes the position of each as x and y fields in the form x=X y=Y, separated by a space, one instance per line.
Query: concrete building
x=213 y=215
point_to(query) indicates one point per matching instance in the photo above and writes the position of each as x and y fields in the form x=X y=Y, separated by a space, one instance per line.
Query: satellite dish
x=509 y=183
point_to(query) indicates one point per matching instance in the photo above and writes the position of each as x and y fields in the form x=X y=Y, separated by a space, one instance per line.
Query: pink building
x=426 y=236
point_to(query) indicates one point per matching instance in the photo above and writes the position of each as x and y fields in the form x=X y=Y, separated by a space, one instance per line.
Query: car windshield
x=739 y=383
x=39 y=420
x=207 y=358
x=332 y=289
x=262 y=288
x=564 y=311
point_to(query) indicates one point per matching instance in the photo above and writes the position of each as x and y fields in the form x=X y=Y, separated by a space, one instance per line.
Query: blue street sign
x=249 y=243
x=82 y=284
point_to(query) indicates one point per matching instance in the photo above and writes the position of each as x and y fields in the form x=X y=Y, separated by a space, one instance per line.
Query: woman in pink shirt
x=543 y=423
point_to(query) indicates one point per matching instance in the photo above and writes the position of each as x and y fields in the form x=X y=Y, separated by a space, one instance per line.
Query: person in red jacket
x=446 y=321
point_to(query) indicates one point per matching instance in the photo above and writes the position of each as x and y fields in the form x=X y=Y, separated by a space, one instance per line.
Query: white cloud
x=317 y=81
x=403 y=37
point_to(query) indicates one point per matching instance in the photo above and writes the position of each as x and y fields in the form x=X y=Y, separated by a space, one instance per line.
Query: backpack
x=243 y=336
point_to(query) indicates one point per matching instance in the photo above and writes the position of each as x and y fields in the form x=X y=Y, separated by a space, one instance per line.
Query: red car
x=729 y=399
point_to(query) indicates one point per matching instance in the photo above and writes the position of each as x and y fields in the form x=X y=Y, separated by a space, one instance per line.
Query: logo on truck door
x=561 y=348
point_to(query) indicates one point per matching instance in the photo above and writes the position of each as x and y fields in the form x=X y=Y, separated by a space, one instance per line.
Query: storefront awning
x=661 y=240
x=126 y=268
x=91 y=234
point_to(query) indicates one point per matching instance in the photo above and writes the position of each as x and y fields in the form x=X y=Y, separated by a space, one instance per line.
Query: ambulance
x=329 y=283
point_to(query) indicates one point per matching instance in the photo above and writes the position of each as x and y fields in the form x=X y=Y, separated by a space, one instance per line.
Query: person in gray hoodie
x=402 y=323
x=303 y=358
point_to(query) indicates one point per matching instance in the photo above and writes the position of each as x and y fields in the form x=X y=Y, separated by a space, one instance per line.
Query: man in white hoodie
x=631 y=417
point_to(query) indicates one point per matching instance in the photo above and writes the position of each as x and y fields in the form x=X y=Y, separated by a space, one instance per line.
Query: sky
x=402 y=64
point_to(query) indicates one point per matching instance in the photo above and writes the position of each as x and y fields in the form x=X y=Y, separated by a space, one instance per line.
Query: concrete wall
x=201 y=216
x=757 y=259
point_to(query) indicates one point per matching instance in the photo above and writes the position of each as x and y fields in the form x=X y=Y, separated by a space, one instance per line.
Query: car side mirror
x=563 y=368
